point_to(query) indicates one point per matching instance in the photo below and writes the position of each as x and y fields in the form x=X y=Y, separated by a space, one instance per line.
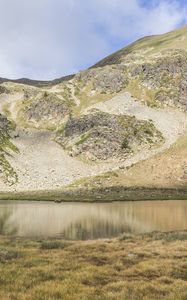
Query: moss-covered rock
x=165 y=75
x=109 y=79
x=46 y=110
x=101 y=136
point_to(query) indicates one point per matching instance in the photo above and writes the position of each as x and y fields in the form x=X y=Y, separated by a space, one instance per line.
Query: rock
x=167 y=75
x=46 y=108
x=103 y=136
x=105 y=80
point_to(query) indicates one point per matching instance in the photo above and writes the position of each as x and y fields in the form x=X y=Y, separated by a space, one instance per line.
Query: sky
x=46 y=39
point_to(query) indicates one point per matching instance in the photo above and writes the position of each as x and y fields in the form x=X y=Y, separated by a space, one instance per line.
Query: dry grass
x=86 y=99
x=164 y=170
x=152 y=266
x=142 y=93
x=152 y=44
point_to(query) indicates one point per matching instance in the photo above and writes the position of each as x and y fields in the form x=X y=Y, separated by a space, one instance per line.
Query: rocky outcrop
x=103 y=80
x=4 y=90
x=102 y=136
x=45 y=108
x=166 y=74
x=111 y=81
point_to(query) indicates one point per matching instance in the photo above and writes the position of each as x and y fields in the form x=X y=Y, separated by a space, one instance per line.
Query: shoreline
x=100 y=195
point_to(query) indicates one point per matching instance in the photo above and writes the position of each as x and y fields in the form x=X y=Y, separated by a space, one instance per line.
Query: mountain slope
x=176 y=39
x=104 y=127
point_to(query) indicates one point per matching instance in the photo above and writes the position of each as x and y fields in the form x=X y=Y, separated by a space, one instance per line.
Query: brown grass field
x=150 y=266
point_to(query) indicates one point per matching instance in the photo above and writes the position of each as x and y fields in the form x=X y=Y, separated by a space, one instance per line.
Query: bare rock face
x=46 y=107
x=105 y=80
x=101 y=136
x=167 y=76
x=112 y=81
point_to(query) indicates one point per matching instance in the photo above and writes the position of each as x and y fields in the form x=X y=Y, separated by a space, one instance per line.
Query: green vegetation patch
x=6 y=148
x=53 y=244
x=9 y=174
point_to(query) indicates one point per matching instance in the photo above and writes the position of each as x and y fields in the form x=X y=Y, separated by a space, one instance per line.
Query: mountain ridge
x=39 y=83
x=70 y=76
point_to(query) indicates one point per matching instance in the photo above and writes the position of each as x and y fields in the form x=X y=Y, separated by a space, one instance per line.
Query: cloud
x=50 y=38
x=130 y=19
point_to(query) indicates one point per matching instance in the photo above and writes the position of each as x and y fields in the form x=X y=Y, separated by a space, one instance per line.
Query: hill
x=119 y=126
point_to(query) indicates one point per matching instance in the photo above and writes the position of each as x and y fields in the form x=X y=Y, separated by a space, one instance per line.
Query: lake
x=90 y=220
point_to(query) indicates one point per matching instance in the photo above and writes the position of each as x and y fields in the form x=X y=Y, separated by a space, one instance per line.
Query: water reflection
x=6 y=228
x=90 y=221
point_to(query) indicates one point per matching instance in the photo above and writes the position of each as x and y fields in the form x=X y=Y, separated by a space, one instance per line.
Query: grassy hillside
x=176 y=39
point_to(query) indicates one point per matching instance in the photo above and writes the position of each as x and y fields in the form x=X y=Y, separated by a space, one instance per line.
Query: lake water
x=90 y=220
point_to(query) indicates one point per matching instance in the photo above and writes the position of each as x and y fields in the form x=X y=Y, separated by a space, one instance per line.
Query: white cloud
x=127 y=19
x=50 y=38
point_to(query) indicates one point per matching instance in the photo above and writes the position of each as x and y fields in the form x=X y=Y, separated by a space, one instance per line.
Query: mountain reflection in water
x=90 y=220
x=6 y=228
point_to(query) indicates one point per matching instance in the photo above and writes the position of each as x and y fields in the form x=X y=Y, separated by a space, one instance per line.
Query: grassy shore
x=150 y=266
x=98 y=194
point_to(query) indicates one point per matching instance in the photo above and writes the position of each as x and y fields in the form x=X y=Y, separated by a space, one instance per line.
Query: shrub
x=52 y=245
x=125 y=144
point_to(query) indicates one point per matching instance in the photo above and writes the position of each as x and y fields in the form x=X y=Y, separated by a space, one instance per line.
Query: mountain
x=37 y=83
x=115 y=131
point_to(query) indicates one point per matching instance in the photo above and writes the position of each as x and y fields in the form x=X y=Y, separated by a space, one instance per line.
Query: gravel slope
x=42 y=163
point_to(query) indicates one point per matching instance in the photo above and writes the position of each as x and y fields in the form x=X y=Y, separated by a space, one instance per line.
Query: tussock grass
x=149 y=266
x=53 y=244
x=7 y=255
